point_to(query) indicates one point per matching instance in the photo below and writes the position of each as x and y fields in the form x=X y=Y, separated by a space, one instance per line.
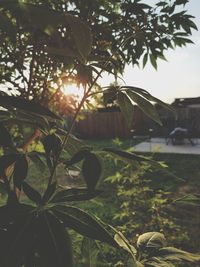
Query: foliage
x=46 y=44
x=43 y=45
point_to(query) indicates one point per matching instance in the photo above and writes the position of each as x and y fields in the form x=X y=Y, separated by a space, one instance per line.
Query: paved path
x=159 y=145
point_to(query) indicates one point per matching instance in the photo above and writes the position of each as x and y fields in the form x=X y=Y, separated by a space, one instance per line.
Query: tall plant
x=33 y=233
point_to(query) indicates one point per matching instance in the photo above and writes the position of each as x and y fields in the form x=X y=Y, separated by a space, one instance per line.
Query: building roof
x=184 y=102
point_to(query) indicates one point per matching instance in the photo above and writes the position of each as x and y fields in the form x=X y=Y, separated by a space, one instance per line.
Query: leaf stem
x=66 y=138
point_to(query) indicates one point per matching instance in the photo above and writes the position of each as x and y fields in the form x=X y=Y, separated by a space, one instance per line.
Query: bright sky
x=179 y=77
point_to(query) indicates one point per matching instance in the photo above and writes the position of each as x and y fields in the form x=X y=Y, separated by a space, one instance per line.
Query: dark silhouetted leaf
x=92 y=170
x=31 y=193
x=5 y=138
x=83 y=223
x=77 y=157
x=20 y=170
x=17 y=240
x=6 y=161
x=54 y=244
x=30 y=106
x=52 y=143
x=49 y=192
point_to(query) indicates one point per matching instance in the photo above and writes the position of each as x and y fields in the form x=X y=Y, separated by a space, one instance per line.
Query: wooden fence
x=111 y=124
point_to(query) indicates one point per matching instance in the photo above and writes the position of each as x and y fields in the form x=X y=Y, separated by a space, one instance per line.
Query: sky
x=179 y=76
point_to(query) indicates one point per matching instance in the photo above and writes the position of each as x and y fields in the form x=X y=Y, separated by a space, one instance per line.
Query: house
x=190 y=102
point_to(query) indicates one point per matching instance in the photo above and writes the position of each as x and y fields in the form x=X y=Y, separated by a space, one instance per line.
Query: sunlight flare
x=72 y=89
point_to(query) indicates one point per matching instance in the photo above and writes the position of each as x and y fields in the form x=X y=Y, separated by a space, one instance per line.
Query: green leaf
x=153 y=61
x=193 y=200
x=30 y=106
x=31 y=193
x=145 y=106
x=75 y=194
x=92 y=170
x=49 y=192
x=36 y=159
x=126 y=107
x=148 y=96
x=151 y=240
x=20 y=170
x=83 y=223
x=177 y=255
x=89 y=252
x=157 y=262
x=131 y=157
x=125 y=244
x=81 y=34
x=54 y=243
x=145 y=58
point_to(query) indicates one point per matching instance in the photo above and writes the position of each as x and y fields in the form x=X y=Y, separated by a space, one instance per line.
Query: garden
x=67 y=201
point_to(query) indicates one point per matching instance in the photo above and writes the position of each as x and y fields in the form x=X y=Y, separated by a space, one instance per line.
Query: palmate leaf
x=83 y=223
x=48 y=20
x=75 y=194
x=7 y=101
x=148 y=96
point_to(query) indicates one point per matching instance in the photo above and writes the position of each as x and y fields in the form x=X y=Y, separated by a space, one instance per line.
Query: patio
x=158 y=145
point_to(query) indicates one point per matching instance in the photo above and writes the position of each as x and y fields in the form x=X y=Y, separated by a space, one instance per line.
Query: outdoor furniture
x=178 y=135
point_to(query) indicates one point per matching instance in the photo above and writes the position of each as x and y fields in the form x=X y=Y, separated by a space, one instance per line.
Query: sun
x=71 y=89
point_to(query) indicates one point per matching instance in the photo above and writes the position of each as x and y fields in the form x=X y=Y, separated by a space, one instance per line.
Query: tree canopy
x=45 y=44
